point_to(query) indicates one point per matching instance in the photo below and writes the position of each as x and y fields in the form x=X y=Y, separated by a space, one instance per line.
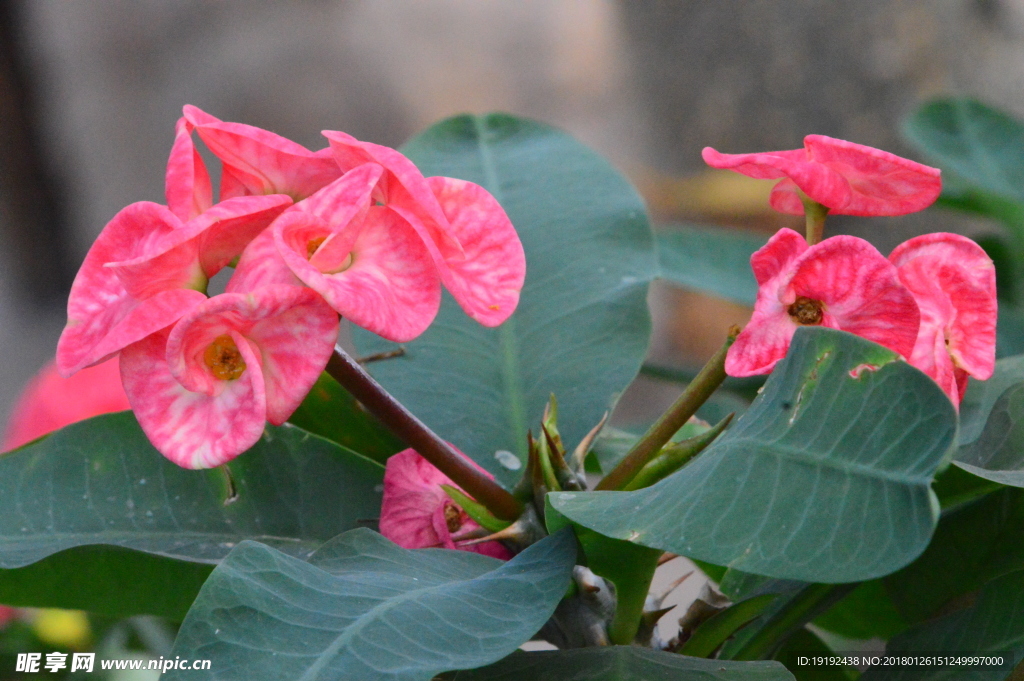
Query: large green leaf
x=973 y=544
x=364 y=609
x=825 y=478
x=582 y=326
x=100 y=481
x=867 y=612
x=330 y=411
x=980 y=144
x=992 y=444
x=710 y=259
x=620 y=663
x=994 y=626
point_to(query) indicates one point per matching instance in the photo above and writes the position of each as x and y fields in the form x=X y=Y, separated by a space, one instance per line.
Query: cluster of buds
x=933 y=300
x=353 y=229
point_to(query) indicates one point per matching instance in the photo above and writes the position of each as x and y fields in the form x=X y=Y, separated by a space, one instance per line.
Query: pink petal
x=404 y=188
x=261 y=265
x=263 y=162
x=881 y=183
x=953 y=281
x=235 y=223
x=292 y=329
x=391 y=286
x=414 y=504
x=763 y=342
x=193 y=429
x=487 y=281
x=777 y=256
x=50 y=402
x=860 y=290
x=188 y=188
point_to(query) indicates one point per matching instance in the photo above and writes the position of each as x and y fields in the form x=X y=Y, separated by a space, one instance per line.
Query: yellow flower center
x=224 y=359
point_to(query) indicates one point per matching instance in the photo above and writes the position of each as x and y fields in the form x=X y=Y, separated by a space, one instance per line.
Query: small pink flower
x=256 y=161
x=471 y=240
x=50 y=401
x=203 y=390
x=417 y=513
x=848 y=178
x=954 y=283
x=841 y=283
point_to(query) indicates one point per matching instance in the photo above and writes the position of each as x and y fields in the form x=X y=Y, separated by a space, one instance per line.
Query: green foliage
x=620 y=663
x=710 y=259
x=825 y=478
x=866 y=612
x=992 y=626
x=582 y=326
x=713 y=633
x=364 y=609
x=992 y=440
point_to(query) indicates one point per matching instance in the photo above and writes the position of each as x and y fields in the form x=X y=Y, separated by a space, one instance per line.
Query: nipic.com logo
x=85 y=662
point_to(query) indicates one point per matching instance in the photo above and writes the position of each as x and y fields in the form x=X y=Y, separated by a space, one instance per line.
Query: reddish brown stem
x=399 y=420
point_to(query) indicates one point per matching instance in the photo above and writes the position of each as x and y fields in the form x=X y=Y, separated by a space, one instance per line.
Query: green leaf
x=582 y=326
x=364 y=609
x=825 y=478
x=997 y=405
x=106 y=580
x=620 y=663
x=993 y=626
x=101 y=482
x=722 y=625
x=867 y=612
x=980 y=144
x=805 y=644
x=330 y=411
x=710 y=259
x=973 y=544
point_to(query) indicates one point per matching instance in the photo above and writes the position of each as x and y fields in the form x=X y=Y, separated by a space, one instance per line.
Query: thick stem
x=814 y=214
x=696 y=394
x=399 y=420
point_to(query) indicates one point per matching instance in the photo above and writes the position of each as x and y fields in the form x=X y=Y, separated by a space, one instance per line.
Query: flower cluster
x=353 y=229
x=933 y=300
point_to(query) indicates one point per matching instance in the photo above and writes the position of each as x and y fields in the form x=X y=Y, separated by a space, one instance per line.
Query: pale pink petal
x=860 y=290
x=292 y=329
x=235 y=223
x=261 y=265
x=881 y=183
x=188 y=188
x=487 y=281
x=193 y=429
x=953 y=280
x=389 y=287
x=263 y=162
x=816 y=180
x=50 y=401
x=763 y=342
x=777 y=256
x=402 y=187
x=338 y=205
x=415 y=509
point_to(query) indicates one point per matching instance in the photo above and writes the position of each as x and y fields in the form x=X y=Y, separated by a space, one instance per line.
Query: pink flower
x=954 y=283
x=841 y=283
x=417 y=513
x=50 y=402
x=470 y=239
x=848 y=178
x=203 y=390
x=256 y=161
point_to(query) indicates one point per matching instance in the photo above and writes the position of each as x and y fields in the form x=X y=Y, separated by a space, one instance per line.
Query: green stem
x=696 y=394
x=393 y=414
x=675 y=456
x=814 y=213
x=630 y=598
x=801 y=609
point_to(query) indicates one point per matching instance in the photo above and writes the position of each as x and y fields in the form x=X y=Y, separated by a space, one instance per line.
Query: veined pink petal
x=193 y=429
x=262 y=162
x=388 y=286
x=487 y=281
x=292 y=330
x=953 y=280
x=50 y=401
x=762 y=343
x=261 y=265
x=860 y=290
x=417 y=513
x=188 y=188
x=233 y=224
x=338 y=205
x=777 y=256
x=404 y=188
x=848 y=178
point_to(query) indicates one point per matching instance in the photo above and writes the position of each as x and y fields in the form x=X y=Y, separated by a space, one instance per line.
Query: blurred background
x=90 y=91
